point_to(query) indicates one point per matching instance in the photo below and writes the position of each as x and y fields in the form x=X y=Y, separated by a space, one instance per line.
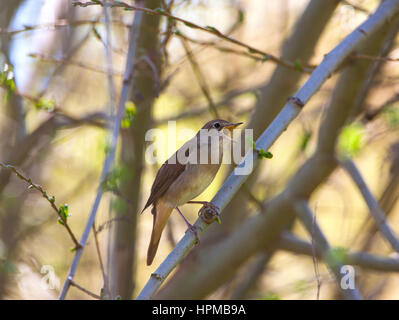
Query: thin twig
x=208 y=29
x=46 y=58
x=306 y=216
x=100 y=260
x=91 y=294
x=200 y=78
x=58 y=24
x=315 y=264
x=50 y=199
x=133 y=36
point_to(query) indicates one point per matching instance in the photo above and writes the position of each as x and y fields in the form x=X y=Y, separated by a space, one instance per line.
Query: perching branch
x=292 y=108
x=375 y=209
x=133 y=35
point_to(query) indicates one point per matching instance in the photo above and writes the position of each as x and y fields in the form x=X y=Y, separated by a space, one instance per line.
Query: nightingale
x=184 y=176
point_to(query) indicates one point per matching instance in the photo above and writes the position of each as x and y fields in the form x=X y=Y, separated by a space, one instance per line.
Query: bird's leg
x=209 y=211
x=206 y=204
x=189 y=225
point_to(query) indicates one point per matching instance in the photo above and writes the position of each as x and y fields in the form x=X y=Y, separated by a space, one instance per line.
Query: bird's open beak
x=232 y=126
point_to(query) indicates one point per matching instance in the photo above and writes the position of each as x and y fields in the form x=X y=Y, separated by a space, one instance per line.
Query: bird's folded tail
x=161 y=213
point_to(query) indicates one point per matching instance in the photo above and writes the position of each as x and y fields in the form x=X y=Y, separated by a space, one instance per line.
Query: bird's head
x=219 y=125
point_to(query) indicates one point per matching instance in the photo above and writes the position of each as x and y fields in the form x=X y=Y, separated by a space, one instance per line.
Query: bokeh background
x=55 y=101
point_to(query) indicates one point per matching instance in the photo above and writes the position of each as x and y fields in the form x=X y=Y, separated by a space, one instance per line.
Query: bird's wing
x=166 y=175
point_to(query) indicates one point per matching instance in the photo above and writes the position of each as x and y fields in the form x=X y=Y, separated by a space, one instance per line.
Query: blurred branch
x=58 y=24
x=50 y=199
x=306 y=216
x=46 y=58
x=294 y=244
x=375 y=210
x=225 y=101
x=133 y=35
x=371 y=114
x=355 y=6
x=292 y=108
x=208 y=29
x=375 y=58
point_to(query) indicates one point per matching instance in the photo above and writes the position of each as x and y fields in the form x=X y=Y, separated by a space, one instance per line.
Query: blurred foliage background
x=54 y=103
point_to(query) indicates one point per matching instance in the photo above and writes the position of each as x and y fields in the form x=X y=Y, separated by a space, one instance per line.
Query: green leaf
x=265 y=58
x=45 y=104
x=160 y=10
x=351 y=139
x=189 y=24
x=265 y=154
x=130 y=114
x=213 y=29
x=337 y=255
x=63 y=212
x=305 y=138
x=241 y=16
x=298 y=65
x=177 y=32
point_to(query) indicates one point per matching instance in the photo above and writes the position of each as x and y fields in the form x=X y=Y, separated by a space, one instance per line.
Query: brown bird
x=185 y=175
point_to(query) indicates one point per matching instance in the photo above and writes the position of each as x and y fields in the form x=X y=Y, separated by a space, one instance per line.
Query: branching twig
x=50 y=199
x=208 y=29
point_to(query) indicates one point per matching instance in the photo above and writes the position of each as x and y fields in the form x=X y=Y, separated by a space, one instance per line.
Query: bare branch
x=133 y=35
x=375 y=210
x=208 y=29
x=294 y=244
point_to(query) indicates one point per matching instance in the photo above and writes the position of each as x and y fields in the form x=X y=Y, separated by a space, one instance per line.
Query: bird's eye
x=217 y=125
